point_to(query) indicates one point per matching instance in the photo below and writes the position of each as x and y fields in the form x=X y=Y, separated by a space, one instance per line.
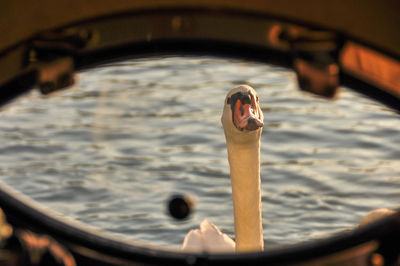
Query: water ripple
x=111 y=151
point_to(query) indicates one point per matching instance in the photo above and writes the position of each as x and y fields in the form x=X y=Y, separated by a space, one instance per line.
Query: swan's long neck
x=244 y=161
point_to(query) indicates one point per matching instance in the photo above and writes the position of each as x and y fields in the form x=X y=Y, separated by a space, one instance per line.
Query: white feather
x=208 y=239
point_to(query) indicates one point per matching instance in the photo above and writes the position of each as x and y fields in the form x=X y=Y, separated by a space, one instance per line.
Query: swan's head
x=242 y=115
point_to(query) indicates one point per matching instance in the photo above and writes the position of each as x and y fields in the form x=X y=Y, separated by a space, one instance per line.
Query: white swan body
x=375 y=215
x=242 y=120
x=208 y=239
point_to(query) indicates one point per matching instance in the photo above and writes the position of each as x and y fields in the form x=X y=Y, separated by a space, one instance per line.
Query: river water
x=111 y=150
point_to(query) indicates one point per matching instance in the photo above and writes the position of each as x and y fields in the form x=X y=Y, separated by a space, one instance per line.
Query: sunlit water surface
x=111 y=150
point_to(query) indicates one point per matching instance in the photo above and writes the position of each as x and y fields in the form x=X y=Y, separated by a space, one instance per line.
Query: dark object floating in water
x=180 y=206
x=320 y=41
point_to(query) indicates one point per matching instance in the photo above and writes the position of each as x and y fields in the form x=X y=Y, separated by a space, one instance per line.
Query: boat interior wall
x=353 y=43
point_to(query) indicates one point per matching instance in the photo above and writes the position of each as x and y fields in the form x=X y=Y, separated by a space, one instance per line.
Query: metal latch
x=52 y=54
x=316 y=57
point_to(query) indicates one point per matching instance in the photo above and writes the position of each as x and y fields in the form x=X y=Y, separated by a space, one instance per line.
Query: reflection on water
x=110 y=151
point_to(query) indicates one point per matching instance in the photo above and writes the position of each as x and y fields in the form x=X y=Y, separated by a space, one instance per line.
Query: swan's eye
x=254 y=102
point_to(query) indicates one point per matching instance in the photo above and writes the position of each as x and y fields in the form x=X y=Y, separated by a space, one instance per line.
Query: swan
x=375 y=215
x=242 y=120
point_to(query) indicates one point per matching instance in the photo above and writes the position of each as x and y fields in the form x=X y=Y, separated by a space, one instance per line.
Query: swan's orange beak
x=245 y=116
